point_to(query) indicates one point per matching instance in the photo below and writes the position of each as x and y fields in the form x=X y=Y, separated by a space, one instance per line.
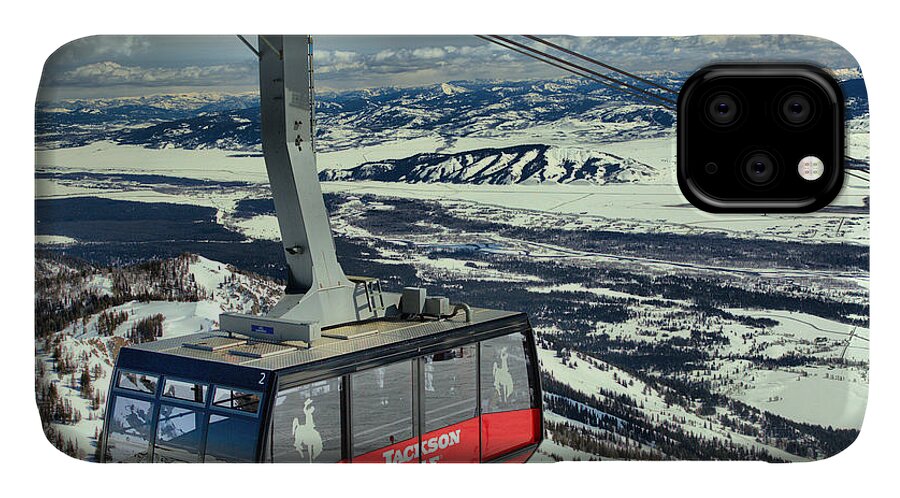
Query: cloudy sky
x=112 y=66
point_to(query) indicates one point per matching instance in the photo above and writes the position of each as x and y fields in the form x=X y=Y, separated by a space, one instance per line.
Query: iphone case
x=428 y=249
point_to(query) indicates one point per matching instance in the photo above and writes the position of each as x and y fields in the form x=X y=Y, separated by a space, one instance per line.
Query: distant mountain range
x=570 y=111
x=508 y=165
x=349 y=119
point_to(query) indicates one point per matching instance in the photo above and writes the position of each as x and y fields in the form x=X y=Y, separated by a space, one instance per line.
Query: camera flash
x=811 y=168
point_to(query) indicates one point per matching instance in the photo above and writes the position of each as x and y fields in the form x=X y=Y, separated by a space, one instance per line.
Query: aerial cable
x=847 y=172
x=549 y=59
x=573 y=71
x=601 y=64
x=576 y=70
x=560 y=66
x=251 y=47
x=861 y=166
x=584 y=69
x=495 y=38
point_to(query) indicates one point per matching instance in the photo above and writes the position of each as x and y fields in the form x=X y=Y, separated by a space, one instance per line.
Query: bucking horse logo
x=307 y=439
x=503 y=381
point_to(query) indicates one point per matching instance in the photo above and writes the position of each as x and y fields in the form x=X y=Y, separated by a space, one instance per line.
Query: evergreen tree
x=86 y=382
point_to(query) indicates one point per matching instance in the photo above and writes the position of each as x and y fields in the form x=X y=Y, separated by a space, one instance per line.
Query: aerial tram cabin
x=337 y=370
x=389 y=390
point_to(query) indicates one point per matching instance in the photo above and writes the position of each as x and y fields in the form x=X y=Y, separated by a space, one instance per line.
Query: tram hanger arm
x=318 y=293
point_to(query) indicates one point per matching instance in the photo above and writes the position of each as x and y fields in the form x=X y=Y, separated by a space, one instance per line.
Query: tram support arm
x=318 y=293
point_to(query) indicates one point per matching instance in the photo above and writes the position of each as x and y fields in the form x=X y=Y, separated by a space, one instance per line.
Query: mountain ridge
x=518 y=164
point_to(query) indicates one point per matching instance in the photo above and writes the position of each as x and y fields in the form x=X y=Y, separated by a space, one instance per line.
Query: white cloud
x=337 y=56
x=326 y=61
x=110 y=73
x=101 y=47
x=363 y=62
x=428 y=53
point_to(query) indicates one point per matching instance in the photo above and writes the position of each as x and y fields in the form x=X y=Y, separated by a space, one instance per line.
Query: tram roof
x=235 y=349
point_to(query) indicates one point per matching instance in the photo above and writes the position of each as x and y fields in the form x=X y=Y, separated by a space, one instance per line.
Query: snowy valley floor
x=664 y=332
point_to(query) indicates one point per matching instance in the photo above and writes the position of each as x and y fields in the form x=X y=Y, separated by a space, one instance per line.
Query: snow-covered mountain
x=451 y=89
x=228 y=130
x=187 y=102
x=509 y=165
x=349 y=119
x=551 y=126
x=366 y=117
x=86 y=313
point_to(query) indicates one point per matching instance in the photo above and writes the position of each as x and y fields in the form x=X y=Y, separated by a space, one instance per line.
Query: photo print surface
x=484 y=171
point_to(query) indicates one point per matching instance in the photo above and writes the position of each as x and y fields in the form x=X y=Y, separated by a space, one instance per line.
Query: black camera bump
x=745 y=129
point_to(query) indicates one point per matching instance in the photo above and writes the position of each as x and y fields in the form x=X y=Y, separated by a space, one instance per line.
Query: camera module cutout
x=760 y=168
x=723 y=109
x=760 y=138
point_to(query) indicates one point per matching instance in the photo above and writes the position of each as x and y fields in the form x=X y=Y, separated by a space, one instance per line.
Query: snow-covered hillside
x=445 y=112
x=196 y=101
x=511 y=165
x=98 y=310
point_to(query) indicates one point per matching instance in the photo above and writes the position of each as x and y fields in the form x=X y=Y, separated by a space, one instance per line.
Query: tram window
x=449 y=385
x=231 y=439
x=381 y=407
x=307 y=423
x=178 y=433
x=504 y=374
x=129 y=430
x=233 y=399
x=137 y=382
x=187 y=391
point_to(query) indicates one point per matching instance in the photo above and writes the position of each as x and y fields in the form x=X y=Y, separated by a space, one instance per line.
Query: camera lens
x=797 y=109
x=722 y=109
x=760 y=168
